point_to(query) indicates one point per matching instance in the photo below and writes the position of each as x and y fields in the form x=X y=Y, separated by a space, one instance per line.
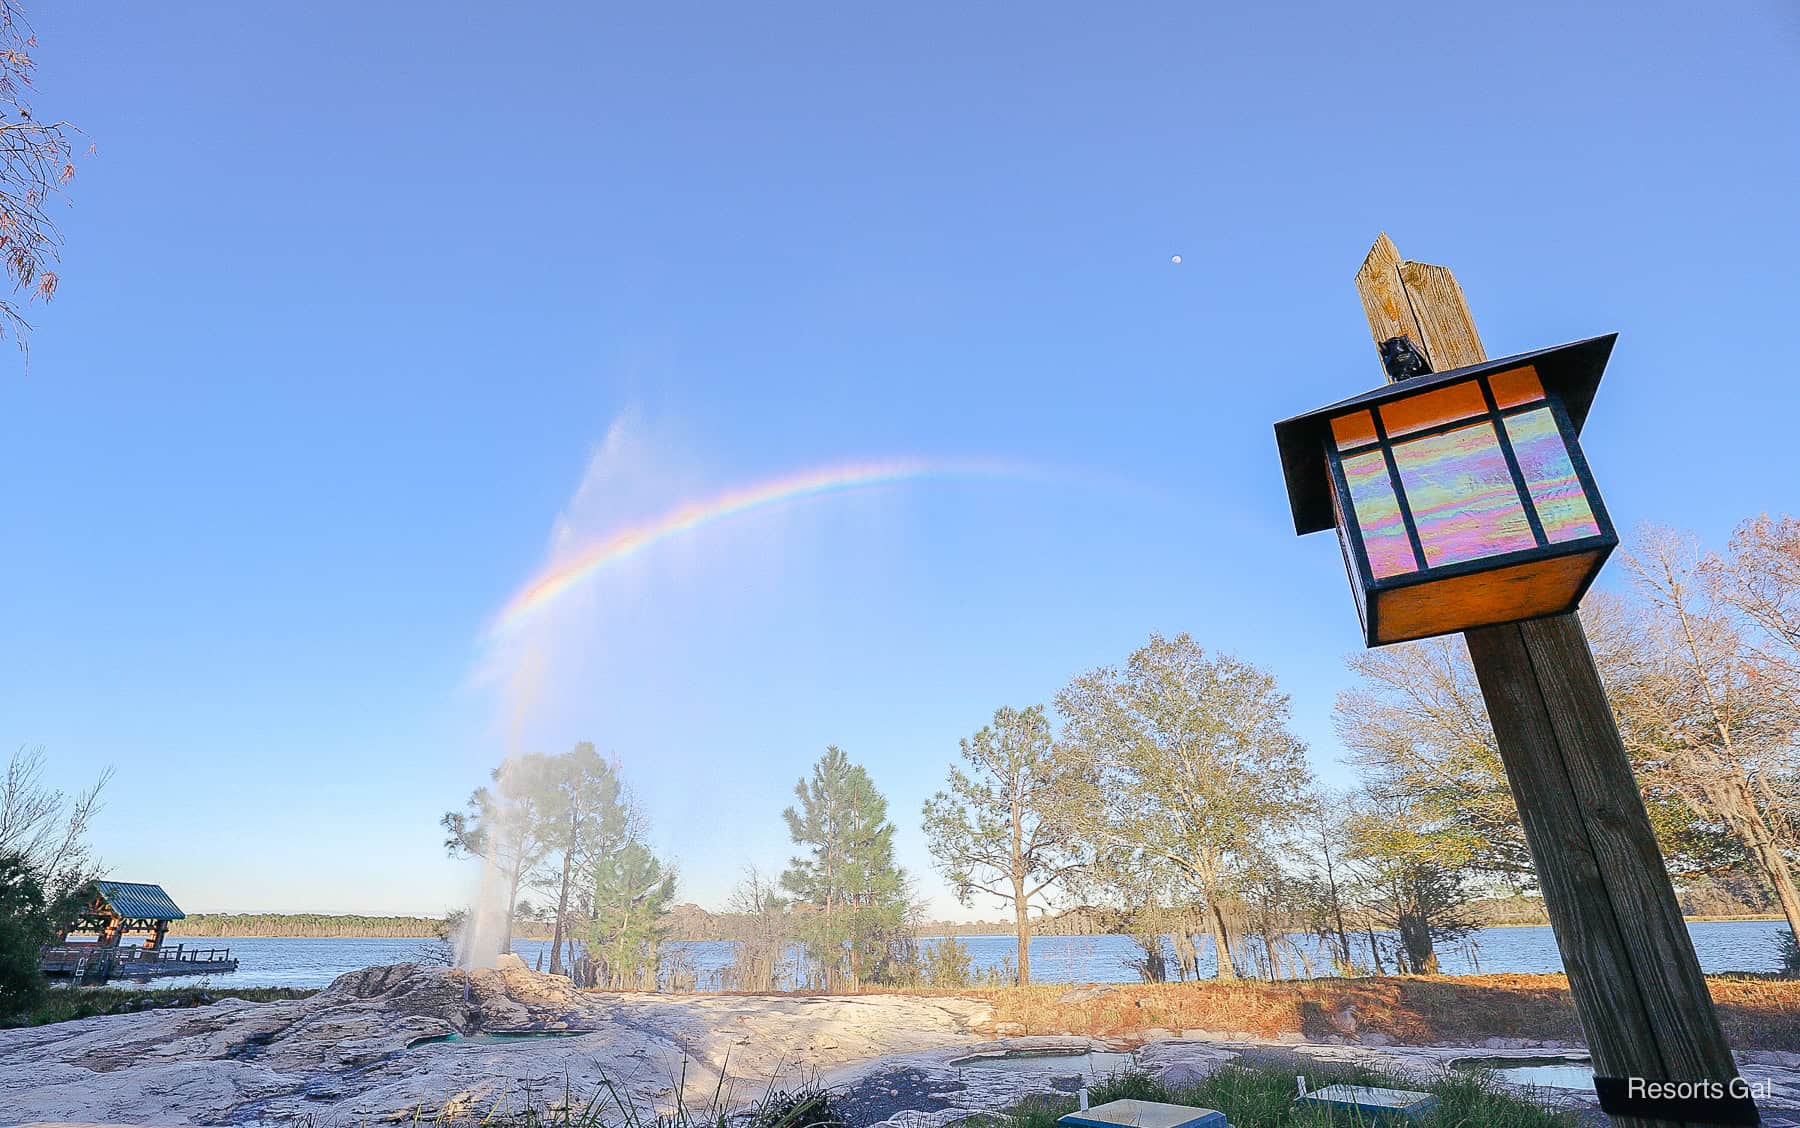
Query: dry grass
x=1758 y=1013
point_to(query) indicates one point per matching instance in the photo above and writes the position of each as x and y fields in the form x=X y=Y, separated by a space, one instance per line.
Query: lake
x=267 y=962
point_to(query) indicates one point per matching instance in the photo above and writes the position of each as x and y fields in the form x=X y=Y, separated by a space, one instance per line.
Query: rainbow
x=591 y=559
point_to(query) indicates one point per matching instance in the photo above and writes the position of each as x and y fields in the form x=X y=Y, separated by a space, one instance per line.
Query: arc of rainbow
x=559 y=579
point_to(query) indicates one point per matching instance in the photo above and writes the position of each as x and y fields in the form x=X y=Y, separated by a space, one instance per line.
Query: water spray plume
x=595 y=557
x=486 y=927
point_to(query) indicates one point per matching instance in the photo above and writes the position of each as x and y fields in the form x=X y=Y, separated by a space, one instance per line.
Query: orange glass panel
x=1433 y=408
x=1355 y=429
x=1519 y=591
x=1516 y=386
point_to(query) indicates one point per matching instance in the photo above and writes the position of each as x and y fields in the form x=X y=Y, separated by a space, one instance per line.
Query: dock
x=113 y=911
x=88 y=963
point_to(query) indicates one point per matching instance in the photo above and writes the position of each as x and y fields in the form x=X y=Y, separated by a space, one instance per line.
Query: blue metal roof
x=137 y=901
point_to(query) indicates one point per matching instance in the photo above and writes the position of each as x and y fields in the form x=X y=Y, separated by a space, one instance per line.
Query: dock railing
x=181 y=953
x=84 y=962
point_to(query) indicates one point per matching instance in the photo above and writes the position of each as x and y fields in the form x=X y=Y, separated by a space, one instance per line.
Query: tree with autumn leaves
x=1174 y=780
x=37 y=161
x=1700 y=654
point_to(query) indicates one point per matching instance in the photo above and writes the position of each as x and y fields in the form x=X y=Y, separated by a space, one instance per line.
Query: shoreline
x=930 y=935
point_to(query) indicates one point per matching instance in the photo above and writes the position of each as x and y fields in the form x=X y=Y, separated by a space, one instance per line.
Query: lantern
x=1461 y=498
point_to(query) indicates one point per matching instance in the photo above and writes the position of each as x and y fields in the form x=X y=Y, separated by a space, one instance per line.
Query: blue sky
x=355 y=293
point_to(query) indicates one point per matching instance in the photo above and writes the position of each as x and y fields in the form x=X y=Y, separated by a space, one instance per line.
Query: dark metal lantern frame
x=1313 y=465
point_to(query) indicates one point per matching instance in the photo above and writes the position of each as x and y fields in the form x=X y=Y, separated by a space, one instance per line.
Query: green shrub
x=1790 y=954
x=24 y=929
x=948 y=963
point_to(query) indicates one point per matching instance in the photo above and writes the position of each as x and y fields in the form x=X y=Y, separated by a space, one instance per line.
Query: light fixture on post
x=1461 y=498
x=1463 y=503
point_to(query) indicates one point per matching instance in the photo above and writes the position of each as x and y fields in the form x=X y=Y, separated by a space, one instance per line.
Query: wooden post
x=1637 y=985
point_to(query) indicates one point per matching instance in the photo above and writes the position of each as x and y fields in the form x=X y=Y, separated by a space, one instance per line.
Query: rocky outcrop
x=356 y=1052
x=1179 y=1063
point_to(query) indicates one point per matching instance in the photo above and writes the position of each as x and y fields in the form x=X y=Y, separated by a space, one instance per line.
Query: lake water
x=262 y=962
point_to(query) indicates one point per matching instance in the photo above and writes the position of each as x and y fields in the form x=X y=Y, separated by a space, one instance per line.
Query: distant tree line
x=305 y=925
x=1706 y=898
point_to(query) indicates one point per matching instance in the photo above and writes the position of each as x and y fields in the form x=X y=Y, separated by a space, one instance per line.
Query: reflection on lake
x=263 y=962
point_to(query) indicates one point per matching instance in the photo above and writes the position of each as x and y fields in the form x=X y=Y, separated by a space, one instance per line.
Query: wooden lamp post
x=1463 y=503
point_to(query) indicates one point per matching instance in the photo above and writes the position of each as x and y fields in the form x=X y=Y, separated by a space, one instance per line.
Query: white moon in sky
x=1176 y=259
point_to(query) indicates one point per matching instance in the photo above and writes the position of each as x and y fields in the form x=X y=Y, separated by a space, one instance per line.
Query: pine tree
x=24 y=926
x=847 y=874
x=632 y=893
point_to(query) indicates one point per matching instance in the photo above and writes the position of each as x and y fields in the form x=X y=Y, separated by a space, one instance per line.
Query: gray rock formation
x=352 y=1054
x=355 y=1054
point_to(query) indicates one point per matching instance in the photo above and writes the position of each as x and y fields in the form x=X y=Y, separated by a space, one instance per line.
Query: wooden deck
x=87 y=963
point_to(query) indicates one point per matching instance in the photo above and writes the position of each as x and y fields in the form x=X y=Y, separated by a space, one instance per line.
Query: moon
x=1176 y=259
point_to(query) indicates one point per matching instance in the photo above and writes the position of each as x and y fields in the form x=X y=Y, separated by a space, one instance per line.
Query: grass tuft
x=1263 y=1097
x=1251 y=1096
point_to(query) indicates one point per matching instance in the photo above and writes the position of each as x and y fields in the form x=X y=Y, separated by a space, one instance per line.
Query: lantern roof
x=1569 y=372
